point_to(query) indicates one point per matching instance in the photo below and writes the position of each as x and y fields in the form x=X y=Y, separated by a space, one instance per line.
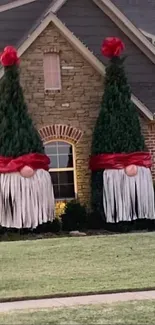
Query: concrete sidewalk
x=77 y=301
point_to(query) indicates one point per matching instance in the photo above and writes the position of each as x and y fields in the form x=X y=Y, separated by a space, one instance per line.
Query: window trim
x=66 y=169
x=59 y=73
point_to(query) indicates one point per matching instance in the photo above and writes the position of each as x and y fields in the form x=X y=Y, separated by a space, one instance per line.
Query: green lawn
x=129 y=313
x=71 y=265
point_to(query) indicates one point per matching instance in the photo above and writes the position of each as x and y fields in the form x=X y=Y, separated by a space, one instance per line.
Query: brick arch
x=60 y=131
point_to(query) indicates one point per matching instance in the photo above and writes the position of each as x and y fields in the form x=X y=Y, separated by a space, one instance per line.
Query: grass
x=75 y=265
x=129 y=313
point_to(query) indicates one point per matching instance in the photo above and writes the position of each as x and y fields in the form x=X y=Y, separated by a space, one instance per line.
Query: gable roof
x=79 y=46
x=4 y=2
x=127 y=27
x=56 y=5
x=140 y=12
x=10 y=4
x=111 y=9
x=16 y=24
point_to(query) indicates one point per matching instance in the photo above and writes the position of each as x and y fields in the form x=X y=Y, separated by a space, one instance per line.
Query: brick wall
x=76 y=105
x=149 y=133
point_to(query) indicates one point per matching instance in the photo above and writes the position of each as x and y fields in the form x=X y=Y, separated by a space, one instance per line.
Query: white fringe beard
x=128 y=198
x=26 y=202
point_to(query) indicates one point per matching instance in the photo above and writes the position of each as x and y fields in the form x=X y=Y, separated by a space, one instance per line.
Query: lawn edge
x=76 y=294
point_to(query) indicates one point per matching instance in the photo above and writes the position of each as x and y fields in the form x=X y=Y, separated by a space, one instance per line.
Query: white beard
x=26 y=202
x=128 y=198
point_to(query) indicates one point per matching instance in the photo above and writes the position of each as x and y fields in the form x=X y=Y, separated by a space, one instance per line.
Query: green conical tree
x=18 y=135
x=26 y=191
x=117 y=128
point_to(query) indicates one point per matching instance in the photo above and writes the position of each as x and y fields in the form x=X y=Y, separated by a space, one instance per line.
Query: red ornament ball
x=131 y=170
x=9 y=57
x=112 y=46
x=27 y=172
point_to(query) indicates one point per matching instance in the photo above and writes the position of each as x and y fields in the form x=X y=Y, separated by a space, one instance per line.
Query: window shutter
x=52 y=73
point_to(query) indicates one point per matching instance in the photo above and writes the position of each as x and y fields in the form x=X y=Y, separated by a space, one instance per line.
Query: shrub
x=54 y=227
x=75 y=216
x=95 y=221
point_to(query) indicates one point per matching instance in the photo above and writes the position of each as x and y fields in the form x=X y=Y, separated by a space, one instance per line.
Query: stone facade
x=149 y=134
x=76 y=105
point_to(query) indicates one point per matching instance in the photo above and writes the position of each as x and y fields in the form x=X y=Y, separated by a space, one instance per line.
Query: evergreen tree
x=18 y=135
x=117 y=129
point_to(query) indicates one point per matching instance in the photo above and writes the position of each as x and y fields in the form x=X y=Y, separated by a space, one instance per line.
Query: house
x=62 y=73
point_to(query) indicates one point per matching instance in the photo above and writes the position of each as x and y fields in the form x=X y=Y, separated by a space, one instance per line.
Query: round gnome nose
x=27 y=172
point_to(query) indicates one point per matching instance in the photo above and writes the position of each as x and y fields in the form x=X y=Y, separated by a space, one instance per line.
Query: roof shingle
x=140 y=12
x=5 y=2
x=16 y=24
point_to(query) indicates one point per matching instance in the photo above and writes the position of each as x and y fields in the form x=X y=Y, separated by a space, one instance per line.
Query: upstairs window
x=62 y=169
x=52 y=72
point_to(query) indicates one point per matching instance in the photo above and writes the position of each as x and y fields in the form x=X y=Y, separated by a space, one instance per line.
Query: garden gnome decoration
x=26 y=191
x=122 y=187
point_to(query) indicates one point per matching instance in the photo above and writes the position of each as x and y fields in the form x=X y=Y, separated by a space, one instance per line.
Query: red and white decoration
x=127 y=181
x=26 y=190
x=126 y=176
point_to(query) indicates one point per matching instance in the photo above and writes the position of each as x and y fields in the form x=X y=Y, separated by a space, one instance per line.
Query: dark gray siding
x=91 y=26
x=15 y=24
x=140 y=12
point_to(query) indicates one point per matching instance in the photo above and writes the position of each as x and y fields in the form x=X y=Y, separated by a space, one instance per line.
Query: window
x=52 y=73
x=62 y=169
